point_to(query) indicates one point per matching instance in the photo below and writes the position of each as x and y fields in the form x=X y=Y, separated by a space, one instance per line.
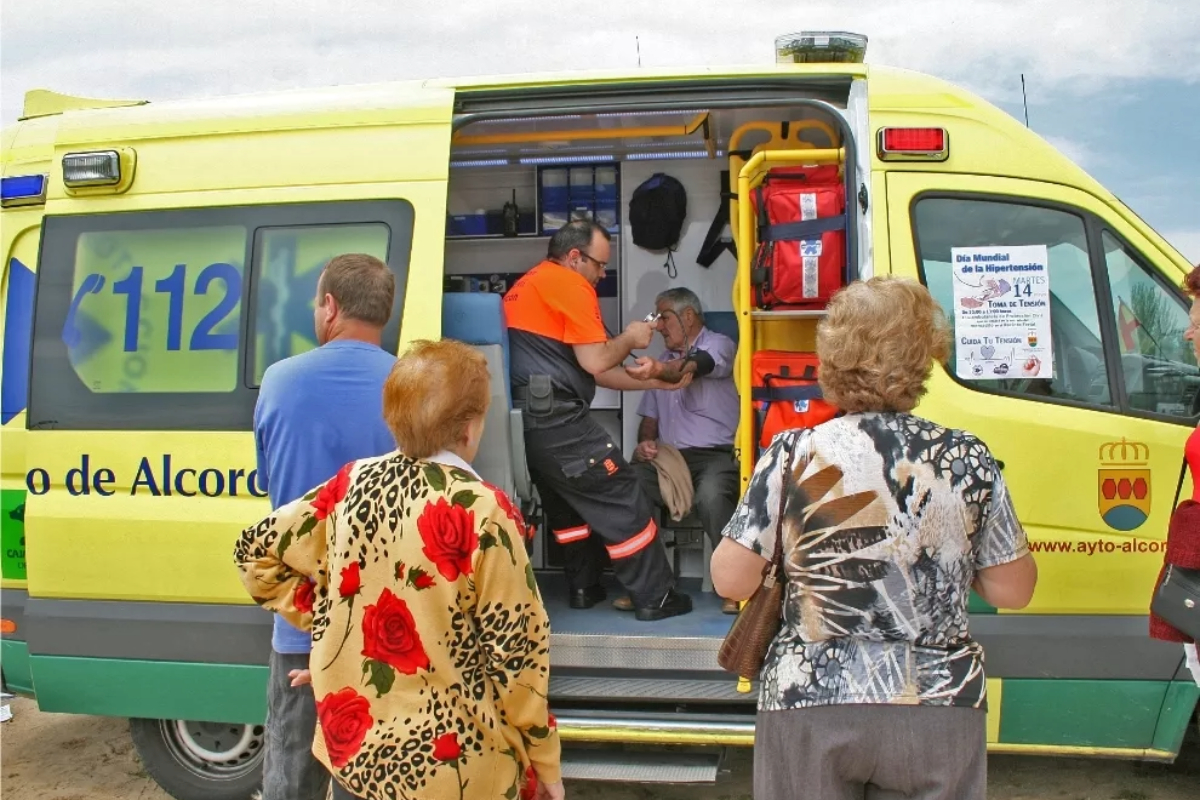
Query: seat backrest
x=724 y=322
x=477 y=318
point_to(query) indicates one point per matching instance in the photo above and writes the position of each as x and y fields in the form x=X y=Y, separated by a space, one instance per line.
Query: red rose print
x=390 y=635
x=351 y=580
x=345 y=718
x=529 y=790
x=450 y=538
x=332 y=492
x=506 y=505
x=419 y=578
x=302 y=599
x=446 y=747
x=349 y=587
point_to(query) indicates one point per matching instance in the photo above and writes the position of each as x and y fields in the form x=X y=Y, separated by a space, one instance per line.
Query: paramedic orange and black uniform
x=593 y=501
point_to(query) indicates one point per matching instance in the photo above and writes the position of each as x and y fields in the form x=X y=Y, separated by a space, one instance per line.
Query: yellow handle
x=745 y=175
x=743 y=685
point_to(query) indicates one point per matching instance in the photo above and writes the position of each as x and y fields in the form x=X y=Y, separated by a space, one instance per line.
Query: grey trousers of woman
x=871 y=752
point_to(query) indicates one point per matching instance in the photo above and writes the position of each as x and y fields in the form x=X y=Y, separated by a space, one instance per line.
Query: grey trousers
x=871 y=752
x=715 y=479
x=290 y=770
x=342 y=793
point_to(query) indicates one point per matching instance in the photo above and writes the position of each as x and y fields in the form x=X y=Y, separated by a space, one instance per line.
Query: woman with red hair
x=430 y=659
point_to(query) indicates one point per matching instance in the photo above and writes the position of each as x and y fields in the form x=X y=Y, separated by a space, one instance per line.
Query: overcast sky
x=1114 y=83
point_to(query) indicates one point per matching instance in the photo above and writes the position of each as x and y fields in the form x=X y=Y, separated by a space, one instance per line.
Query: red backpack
x=801 y=258
x=785 y=393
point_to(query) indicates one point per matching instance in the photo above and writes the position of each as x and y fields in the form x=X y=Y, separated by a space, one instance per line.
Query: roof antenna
x=1024 y=100
x=637 y=39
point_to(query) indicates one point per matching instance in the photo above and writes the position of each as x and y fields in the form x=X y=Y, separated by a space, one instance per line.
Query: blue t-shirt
x=316 y=412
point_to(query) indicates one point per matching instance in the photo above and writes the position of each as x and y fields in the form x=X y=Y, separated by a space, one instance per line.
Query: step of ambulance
x=651 y=688
x=640 y=766
x=605 y=640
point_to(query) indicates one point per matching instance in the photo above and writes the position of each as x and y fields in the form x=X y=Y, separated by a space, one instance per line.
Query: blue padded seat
x=724 y=322
x=477 y=318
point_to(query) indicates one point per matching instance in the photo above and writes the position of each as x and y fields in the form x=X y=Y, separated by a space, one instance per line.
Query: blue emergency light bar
x=20 y=190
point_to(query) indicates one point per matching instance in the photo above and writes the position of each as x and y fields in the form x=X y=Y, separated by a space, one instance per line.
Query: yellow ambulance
x=158 y=256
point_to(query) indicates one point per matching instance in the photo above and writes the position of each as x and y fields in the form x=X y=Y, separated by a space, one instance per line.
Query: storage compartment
x=572 y=192
x=554 y=198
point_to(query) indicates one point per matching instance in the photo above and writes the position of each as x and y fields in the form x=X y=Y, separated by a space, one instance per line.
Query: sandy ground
x=68 y=757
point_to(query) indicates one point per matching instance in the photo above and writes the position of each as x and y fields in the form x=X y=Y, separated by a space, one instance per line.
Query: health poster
x=1002 y=312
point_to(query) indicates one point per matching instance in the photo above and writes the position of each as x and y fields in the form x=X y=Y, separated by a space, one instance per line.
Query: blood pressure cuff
x=703 y=361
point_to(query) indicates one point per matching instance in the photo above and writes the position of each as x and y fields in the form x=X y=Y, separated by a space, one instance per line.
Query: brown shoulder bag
x=745 y=646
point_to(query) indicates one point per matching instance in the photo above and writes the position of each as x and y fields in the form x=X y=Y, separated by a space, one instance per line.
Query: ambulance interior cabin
x=516 y=177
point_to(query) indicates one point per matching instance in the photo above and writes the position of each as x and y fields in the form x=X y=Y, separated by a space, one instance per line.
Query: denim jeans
x=290 y=770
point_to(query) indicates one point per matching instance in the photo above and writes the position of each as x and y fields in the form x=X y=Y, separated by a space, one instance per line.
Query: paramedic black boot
x=673 y=604
x=586 y=598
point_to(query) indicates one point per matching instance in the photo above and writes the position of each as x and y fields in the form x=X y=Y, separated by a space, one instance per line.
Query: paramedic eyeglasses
x=600 y=264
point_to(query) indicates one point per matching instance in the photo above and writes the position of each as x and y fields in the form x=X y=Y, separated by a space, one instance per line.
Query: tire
x=201 y=760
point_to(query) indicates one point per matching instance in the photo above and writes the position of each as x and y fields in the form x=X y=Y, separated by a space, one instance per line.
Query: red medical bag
x=801 y=258
x=785 y=393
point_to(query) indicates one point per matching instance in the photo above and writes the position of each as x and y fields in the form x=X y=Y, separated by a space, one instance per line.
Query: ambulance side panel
x=1090 y=447
x=157 y=311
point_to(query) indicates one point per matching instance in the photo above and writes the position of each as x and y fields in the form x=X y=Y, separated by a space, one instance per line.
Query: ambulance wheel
x=201 y=760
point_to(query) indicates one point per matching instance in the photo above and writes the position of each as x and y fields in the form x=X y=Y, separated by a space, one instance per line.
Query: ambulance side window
x=166 y=319
x=1158 y=366
x=287 y=263
x=1079 y=369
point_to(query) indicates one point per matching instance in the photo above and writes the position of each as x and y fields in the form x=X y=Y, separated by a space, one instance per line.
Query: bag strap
x=801 y=230
x=1179 y=486
x=770 y=573
x=781 y=393
x=714 y=245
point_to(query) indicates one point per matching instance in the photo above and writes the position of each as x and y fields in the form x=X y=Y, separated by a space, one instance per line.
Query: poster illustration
x=1002 y=312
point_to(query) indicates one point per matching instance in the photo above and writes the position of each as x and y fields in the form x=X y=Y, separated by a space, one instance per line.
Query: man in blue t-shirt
x=316 y=412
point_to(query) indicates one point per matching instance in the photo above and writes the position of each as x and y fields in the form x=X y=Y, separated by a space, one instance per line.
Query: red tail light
x=914 y=144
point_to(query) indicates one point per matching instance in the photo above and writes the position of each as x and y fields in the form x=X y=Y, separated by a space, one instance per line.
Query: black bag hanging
x=657 y=210
x=714 y=245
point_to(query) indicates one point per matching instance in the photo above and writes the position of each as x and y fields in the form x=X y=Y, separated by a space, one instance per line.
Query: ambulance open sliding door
x=1050 y=369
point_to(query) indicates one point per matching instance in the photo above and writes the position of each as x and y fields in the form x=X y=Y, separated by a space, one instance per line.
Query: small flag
x=1128 y=325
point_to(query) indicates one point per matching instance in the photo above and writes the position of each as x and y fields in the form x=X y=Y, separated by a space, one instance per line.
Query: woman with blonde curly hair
x=430 y=658
x=874 y=687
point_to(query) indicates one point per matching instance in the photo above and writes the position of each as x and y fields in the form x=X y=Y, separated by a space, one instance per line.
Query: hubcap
x=219 y=750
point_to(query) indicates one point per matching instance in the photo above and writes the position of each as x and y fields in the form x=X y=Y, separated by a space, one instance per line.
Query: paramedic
x=317 y=411
x=699 y=422
x=874 y=679
x=560 y=351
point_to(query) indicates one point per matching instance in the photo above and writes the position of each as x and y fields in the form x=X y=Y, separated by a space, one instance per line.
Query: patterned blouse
x=887 y=518
x=430 y=658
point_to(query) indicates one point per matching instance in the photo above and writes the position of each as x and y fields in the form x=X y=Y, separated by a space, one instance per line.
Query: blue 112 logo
x=174 y=285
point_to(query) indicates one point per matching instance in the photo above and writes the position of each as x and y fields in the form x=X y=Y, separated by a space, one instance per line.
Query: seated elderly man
x=684 y=455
